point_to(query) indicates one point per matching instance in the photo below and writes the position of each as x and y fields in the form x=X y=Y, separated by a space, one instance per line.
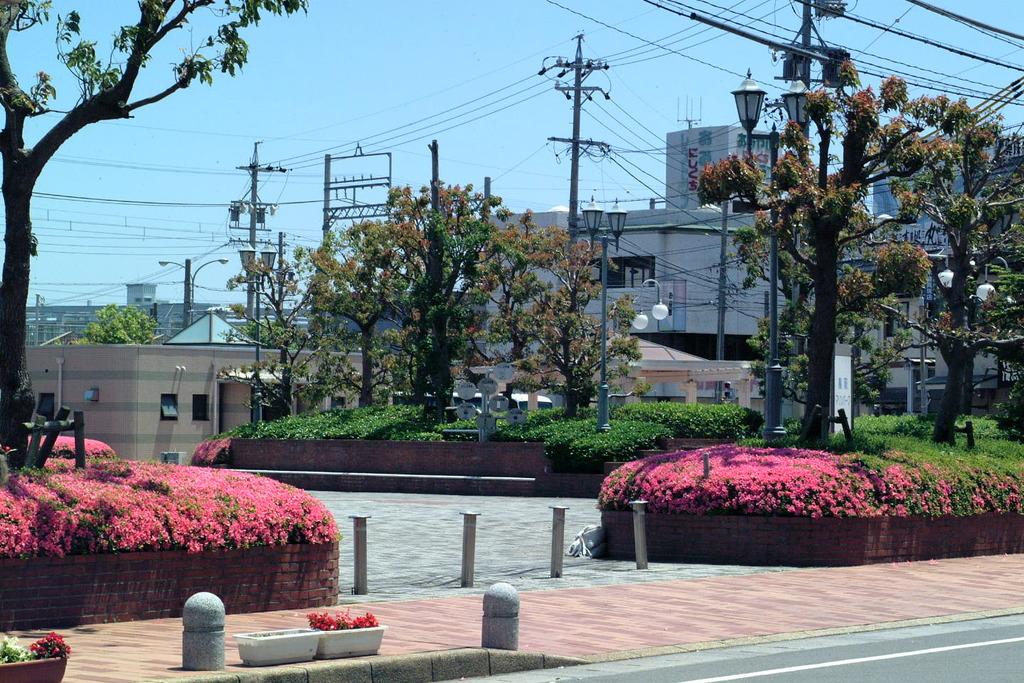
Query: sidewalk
x=591 y=622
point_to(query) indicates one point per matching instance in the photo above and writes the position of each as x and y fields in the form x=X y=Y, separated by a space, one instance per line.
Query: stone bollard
x=501 y=618
x=640 y=532
x=202 y=642
x=359 y=553
x=468 y=547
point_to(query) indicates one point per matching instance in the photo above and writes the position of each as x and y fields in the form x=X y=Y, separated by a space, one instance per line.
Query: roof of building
x=651 y=351
x=210 y=329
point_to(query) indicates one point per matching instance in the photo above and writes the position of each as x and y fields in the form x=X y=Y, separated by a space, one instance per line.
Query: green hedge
x=695 y=420
x=577 y=445
x=395 y=423
x=920 y=426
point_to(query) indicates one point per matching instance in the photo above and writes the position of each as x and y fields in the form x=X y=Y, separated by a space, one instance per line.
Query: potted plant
x=342 y=635
x=287 y=646
x=44 y=661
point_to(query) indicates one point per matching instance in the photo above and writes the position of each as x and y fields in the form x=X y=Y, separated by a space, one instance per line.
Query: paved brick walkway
x=601 y=619
x=414 y=545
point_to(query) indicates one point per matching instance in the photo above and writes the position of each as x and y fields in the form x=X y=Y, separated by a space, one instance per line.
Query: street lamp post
x=190 y=286
x=616 y=223
x=659 y=311
x=254 y=271
x=749 y=100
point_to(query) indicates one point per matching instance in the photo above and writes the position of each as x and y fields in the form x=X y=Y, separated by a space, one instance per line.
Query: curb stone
x=420 y=667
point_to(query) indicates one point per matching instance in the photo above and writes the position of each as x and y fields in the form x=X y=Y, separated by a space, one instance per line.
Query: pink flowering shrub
x=95 y=449
x=123 y=506
x=212 y=452
x=805 y=483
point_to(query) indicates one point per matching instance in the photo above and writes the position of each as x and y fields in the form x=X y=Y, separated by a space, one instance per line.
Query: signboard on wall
x=690 y=150
x=842 y=382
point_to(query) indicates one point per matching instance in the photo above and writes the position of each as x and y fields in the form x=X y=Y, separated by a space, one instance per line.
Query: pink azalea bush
x=64 y=447
x=212 y=452
x=116 y=506
x=808 y=483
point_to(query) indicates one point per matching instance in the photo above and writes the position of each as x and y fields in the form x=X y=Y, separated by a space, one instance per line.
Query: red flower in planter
x=341 y=621
x=50 y=646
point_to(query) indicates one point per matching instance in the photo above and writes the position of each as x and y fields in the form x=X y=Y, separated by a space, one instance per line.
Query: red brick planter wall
x=91 y=589
x=471 y=468
x=801 y=541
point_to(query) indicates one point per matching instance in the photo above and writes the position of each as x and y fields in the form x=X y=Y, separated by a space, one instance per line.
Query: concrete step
x=402 y=483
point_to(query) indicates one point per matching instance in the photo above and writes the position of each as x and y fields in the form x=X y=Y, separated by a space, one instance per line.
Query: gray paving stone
x=414 y=546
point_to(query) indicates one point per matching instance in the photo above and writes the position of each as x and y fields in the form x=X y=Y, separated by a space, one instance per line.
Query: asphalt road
x=989 y=650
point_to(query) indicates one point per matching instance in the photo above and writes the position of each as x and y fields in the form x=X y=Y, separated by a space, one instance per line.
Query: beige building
x=143 y=400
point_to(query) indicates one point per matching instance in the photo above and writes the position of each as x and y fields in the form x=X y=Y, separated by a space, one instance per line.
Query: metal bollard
x=468 y=547
x=640 y=532
x=202 y=638
x=501 y=618
x=557 y=539
x=359 y=553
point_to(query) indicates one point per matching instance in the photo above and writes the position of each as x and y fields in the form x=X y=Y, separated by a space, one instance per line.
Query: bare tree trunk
x=366 y=374
x=16 y=400
x=959 y=362
x=967 y=391
x=821 y=342
x=441 y=372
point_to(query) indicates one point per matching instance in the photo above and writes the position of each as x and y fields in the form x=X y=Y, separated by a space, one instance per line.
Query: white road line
x=847 y=662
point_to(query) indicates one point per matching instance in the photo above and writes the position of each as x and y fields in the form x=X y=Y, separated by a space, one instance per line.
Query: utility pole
x=581 y=68
x=280 y=266
x=39 y=309
x=256 y=210
x=720 y=341
x=186 y=300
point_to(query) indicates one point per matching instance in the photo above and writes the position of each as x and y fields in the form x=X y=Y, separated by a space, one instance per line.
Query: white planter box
x=277 y=647
x=354 y=642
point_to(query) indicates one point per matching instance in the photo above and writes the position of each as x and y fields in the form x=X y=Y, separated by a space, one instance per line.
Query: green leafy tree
x=567 y=352
x=106 y=91
x=288 y=343
x=359 y=274
x=115 y=325
x=443 y=251
x=819 y=200
x=971 y=190
x=510 y=282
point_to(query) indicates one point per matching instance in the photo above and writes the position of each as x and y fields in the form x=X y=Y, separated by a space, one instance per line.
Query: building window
x=45 y=406
x=168 y=406
x=629 y=271
x=200 y=407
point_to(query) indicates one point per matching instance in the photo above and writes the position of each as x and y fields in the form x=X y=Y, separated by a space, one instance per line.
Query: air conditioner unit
x=172 y=457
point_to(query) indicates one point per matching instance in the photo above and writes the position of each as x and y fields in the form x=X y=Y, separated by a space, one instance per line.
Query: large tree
x=566 y=354
x=443 y=250
x=116 y=325
x=971 y=191
x=106 y=91
x=359 y=274
x=819 y=199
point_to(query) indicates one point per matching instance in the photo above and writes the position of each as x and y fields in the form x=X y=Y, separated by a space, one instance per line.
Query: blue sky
x=383 y=74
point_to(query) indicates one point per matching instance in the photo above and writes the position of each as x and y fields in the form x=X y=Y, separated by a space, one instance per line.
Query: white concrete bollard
x=202 y=640
x=501 y=618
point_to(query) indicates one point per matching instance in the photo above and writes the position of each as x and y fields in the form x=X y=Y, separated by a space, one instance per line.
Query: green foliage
x=920 y=426
x=396 y=423
x=695 y=420
x=577 y=445
x=11 y=651
x=114 y=325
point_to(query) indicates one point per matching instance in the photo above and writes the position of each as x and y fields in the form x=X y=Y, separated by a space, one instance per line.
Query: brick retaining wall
x=802 y=541
x=431 y=467
x=57 y=592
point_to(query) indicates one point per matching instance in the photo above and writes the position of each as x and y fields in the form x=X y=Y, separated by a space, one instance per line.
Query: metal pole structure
x=435 y=182
x=186 y=301
x=720 y=338
x=280 y=269
x=773 y=428
x=468 y=547
x=487 y=187
x=910 y=387
x=359 y=553
x=257 y=392
x=254 y=170
x=39 y=312
x=574 y=167
x=602 y=390
x=640 y=532
x=924 y=364
x=327 y=194
x=557 y=539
